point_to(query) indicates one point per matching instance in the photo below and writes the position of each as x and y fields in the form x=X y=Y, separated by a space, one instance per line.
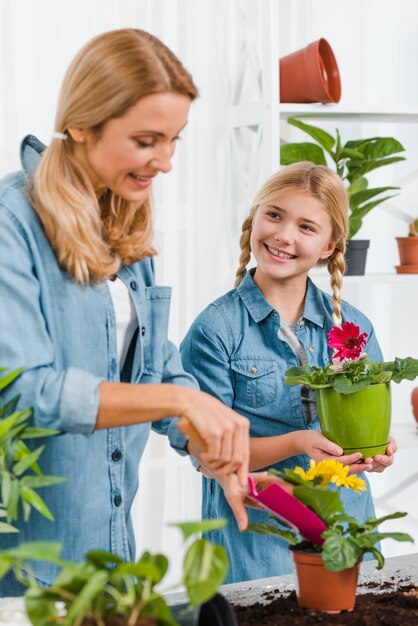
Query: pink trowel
x=285 y=506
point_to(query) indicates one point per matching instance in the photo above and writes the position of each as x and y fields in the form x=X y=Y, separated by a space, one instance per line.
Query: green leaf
x=35 y=432
x=100 y=558
x=204 y=570
x=192 y=528
x=357 y=169
x=36 y=501
x=41 y=481
x=324 y=139
x=377 y=147
x=149 y=567
x=321 y=501
x=27 y=461
x=36 y=550
x=344 y=385
x=269 y=529
x=373 y=522
x=8 y=423
x=358 y=185
x=84 y=601
x=348 y=153
x=7 y=380
x=297 y=152
x=41 y=611
x=378 y=556
x=338 y=552
x=405 y=369
x=7 y=528
x=361 y=196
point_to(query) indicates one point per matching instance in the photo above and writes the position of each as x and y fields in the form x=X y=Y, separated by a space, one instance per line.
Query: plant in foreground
x=18 y=483
x=351 y=370
x=105 y=587
x=345 y=539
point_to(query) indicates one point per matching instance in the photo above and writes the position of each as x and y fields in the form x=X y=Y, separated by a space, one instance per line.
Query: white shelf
x=369 y=279
x=344 y=112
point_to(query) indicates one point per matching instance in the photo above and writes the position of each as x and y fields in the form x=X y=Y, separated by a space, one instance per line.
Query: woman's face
x=290 y=235
x=131 y=150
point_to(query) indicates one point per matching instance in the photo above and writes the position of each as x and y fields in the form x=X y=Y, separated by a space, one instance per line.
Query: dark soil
x=389 y=608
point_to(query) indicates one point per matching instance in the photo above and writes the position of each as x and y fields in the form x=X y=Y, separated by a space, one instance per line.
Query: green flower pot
x=358 y=422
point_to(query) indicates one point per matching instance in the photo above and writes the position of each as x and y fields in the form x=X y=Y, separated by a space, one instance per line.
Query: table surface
x=397 y=570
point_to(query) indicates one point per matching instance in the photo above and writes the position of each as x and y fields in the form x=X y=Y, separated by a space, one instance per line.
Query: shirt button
x=301 y=324
x=116 y=455
x=134 y=285
x=253 y=370
x=118 y=500
x=143 y=330
x=311 y=349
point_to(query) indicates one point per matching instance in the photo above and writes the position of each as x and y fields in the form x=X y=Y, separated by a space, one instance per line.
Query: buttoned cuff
x=79 y=402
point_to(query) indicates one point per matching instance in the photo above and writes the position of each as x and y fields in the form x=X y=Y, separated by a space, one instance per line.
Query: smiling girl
x=240 y=346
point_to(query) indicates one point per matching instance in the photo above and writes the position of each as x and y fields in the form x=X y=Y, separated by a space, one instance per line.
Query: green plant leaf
x=7 y=380
x=297 y=152
x=358 y=168
x=361 y=196
x=358 y=185
x=41 y=611
x=36 y=501
x=36 y=550
x=27 y=461
x=338 y=552
x=324 y=139
x=377 y=147
x=149 y=567
x=323 y=502
x=7 y=528
x=344 y=385
x=373 y=522
x=35 y=432
x=94 y=586
x=192 y=528
x=100 y=558
x=263 y=528
x=378 y=556
x=41 y=481
x=405 y=369
x=204 y=570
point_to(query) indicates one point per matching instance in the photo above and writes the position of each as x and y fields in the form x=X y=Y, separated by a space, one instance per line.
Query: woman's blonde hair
x=322 y=184
x=92 y=237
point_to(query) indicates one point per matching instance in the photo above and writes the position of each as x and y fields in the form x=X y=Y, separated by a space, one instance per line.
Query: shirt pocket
x=154 y=329
x=255 y=381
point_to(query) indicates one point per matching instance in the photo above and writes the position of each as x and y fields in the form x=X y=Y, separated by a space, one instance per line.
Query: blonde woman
x=80 y=310
x=240 y=346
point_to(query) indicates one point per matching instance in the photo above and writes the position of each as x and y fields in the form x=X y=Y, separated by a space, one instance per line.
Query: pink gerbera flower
x=347 y=341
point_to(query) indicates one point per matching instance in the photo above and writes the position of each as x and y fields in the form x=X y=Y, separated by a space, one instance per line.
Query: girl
x=79 y=306
x=240 y=346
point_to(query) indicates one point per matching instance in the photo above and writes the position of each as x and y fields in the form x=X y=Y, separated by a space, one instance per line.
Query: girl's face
x=131 y=150
x=290 y=235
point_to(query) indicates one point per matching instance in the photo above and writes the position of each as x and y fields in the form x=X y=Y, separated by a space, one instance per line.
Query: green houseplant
x=352 y=161
x=327 y=572
x=105 y=590
x=353 y=395
x=20 y=474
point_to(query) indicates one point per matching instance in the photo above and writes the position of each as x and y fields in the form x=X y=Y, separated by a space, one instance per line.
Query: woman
x=80 y=310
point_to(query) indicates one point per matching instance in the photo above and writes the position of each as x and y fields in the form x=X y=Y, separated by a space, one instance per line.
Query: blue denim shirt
x=64 y=335
x=234 y=352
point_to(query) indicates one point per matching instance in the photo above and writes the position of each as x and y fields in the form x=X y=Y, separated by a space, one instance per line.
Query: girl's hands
x=319 y=448
x=381 y=461
x=222 y=443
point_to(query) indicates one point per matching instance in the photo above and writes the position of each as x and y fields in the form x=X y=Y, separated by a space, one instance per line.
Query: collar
x=30 y=152
x=259 y=308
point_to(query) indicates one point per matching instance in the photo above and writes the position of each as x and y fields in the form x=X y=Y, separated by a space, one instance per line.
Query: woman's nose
x=162 y=159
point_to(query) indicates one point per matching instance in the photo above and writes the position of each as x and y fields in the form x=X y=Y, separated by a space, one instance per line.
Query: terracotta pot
x=310 y=75
x=322 y=590
x=414 y=400
x=358 y=422
x=408 y=251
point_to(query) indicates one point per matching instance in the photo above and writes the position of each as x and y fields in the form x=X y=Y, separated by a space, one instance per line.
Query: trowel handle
x=190 y=431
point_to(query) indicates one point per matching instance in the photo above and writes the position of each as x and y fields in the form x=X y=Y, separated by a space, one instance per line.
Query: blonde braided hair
x=327 y=187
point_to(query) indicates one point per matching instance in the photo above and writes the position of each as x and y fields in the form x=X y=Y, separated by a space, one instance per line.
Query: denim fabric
x=234 y=352
x=64 y=335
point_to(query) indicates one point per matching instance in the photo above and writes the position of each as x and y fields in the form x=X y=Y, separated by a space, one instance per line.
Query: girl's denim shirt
x=234 y=352
x=64 y=335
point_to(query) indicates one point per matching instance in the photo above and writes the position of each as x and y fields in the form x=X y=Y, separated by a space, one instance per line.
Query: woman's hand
x=222 y=444
x=319 y=448
x=382 y=461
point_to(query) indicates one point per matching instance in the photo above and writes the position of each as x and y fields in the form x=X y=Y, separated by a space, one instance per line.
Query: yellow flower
x=331 y=471
x=310 y=474
x=355 y=483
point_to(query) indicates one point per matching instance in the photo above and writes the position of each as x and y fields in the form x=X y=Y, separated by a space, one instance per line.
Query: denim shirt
x=234 y=352
x=64 y=335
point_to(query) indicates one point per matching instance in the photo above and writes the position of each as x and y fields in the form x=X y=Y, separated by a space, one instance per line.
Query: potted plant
x=105 y=590
x=352 y=161
x=408 y=250
x=327 y=572
x=20 y=474
x=353 y=394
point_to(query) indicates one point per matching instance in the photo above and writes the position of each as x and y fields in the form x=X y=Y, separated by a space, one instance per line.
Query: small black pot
x=355 y=257
x=216 y=612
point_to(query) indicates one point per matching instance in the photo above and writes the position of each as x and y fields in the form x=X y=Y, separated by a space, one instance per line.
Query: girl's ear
x=326 y=253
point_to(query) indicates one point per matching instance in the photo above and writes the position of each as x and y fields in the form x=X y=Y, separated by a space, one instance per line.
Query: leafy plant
x=18 y=484
x=350 y=370
x=105 y=586
x=345 y=539
x=352 y=161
